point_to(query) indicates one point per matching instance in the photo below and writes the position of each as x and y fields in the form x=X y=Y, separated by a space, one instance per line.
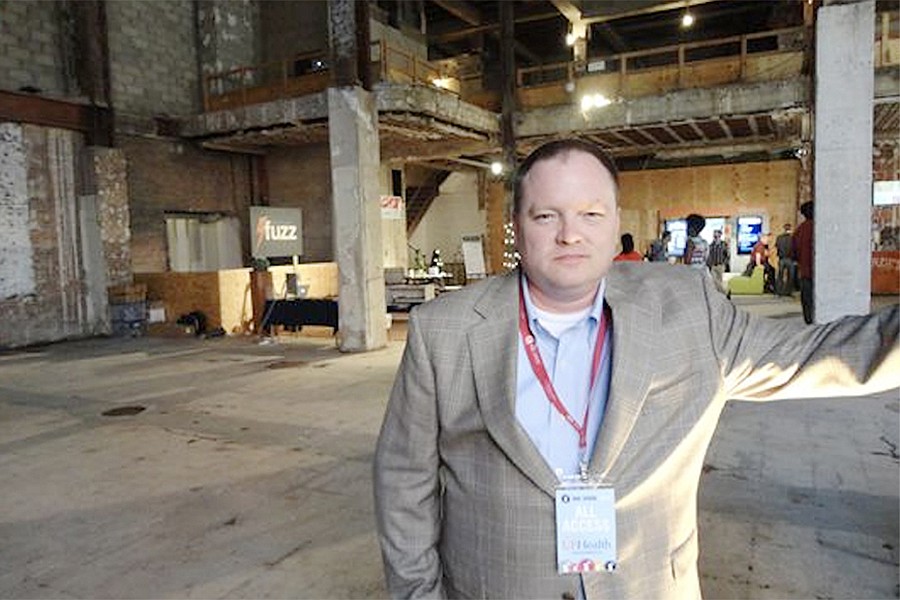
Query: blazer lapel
x=493 y=346
x=634 y=327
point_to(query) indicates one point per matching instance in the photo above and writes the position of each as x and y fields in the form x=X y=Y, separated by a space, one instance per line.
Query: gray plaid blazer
x=464 y=501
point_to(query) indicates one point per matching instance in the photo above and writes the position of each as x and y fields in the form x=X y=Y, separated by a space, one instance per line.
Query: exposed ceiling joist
x=616 y=41
x=611 y=9
x=726 y=127
x=673 y=133
x=728 y=150
x=568 y=9
x=464 y=11
x=460 y=34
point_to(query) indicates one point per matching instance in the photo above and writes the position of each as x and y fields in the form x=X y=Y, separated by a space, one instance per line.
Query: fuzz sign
x=275 y=232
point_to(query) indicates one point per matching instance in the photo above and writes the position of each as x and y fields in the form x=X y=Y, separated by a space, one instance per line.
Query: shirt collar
x=596 y=309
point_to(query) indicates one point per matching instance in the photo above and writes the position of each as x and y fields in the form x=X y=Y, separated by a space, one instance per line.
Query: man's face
x=567 y=228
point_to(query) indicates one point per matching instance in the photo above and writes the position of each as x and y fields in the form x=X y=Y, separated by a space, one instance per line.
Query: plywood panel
x=235 y=301
x=322 y=278
x=224 y=296
x=767 y=188
x=182 y=293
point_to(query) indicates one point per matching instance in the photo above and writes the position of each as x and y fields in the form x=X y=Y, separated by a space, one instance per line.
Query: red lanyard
x=537 y=365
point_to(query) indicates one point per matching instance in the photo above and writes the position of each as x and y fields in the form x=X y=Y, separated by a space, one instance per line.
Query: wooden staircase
x=419 y=198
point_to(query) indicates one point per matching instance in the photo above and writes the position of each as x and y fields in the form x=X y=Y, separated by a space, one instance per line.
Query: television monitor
x=678 y=229
x=712 y=224
x=886 y=193
x=749 y=230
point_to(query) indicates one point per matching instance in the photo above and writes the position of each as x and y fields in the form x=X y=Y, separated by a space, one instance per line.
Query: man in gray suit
x=527 y=393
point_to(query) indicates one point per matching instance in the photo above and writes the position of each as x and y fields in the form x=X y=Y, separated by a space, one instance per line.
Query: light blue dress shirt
x=567 y=360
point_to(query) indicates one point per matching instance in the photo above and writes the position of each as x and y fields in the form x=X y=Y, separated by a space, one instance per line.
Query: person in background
x=787 y=266
x=696 y=251
x=717 y=260
x=803 y=244
x=628 y=252
x=658 y=251
x=759 y=257
x=548 y=384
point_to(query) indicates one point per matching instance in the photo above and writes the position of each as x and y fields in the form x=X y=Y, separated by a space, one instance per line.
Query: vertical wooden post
x=261 y=289
x=743 y=71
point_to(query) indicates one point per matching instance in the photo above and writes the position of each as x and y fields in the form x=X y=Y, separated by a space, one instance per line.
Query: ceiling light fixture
x=589 y=101
x=571 y=38
x=496 y=167
x=687 y=19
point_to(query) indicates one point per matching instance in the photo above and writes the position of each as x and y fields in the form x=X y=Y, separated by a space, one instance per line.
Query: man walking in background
x=787 y=266
x=803 y=253
x=717 y=259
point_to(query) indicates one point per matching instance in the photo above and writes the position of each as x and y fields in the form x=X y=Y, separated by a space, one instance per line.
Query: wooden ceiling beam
x=464 y=11
x=658 y=7
x=568 y=9
x=94 y=121
x=460 y=34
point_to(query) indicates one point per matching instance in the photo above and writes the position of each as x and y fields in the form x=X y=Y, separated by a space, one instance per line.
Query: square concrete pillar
x=355 y=163
x=845 y=81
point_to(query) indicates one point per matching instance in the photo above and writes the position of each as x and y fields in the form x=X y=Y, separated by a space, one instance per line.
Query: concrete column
x=355 y=161
x=845 y=35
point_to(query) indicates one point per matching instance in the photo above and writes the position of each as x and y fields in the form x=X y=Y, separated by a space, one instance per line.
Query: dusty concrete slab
x=248 y=475
x=800 y=500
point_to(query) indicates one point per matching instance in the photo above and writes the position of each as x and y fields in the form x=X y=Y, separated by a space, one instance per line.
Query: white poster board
x=473 y=256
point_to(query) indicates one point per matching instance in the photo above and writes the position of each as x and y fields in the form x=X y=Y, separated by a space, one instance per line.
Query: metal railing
x=309 y=72
x=679 y=56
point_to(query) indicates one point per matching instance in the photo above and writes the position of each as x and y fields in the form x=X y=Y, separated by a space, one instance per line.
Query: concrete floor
x=247 y=475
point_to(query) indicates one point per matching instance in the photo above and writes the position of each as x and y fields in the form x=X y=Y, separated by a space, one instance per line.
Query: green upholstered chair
x=743 y=285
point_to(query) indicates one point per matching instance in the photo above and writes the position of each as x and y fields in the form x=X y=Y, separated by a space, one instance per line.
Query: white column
x=845 y=35
x=355 y=162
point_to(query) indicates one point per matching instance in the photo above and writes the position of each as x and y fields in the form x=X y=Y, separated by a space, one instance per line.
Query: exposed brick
x=299 y=178
x=168 y=176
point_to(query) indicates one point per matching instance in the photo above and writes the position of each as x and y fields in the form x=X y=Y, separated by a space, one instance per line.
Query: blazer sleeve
x=772 y=359
x=406 y=480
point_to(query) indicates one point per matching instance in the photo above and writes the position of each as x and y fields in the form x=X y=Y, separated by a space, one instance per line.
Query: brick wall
x=42 y=267
x=290 y=28
x=301 y=177
x=30 y=43
x=228 y=34
x=16 y=264
x=108 y=170
x=166 y=175
x=153 y=58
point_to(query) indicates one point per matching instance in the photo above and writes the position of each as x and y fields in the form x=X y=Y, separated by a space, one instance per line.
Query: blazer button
x=568 y=596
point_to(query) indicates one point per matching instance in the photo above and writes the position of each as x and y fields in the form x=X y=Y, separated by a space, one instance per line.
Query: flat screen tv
x=886 y=193
x=678 y=229
x=749 y=230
